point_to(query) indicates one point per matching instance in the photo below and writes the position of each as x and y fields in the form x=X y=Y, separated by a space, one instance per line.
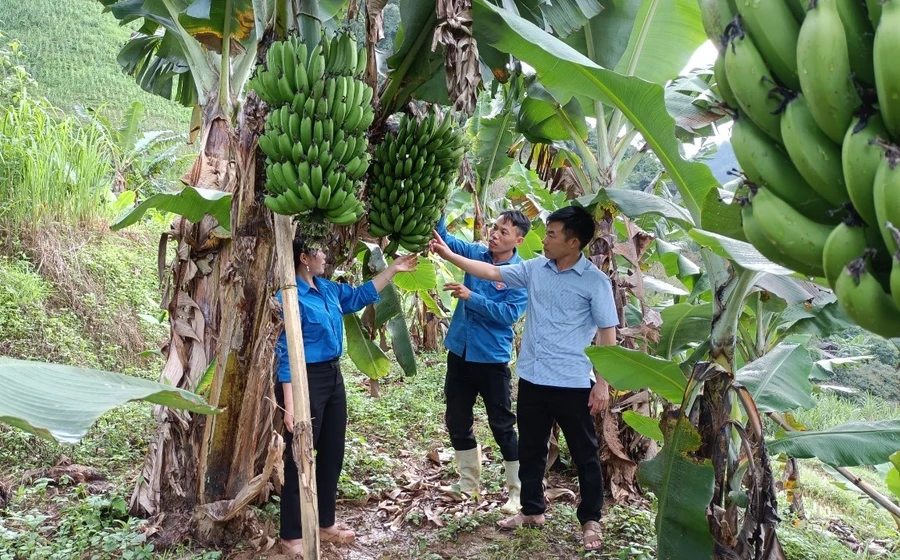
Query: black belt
x=326 y=363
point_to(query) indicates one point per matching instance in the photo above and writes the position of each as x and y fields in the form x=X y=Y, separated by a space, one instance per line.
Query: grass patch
x=832 y=409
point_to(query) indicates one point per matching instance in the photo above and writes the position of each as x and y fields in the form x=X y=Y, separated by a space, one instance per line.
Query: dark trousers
x=328 y=408
x=538 y=407
x=465 y=381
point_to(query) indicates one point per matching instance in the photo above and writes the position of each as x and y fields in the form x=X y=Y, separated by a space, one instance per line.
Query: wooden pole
x=303 y=432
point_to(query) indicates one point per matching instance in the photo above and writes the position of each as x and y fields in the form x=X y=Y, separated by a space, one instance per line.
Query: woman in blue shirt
x=322 y=304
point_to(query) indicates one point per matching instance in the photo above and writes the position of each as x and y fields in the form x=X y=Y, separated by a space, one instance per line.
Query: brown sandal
x=295 y=551
x=338 y=536
x=592 y=536
x=521 y=520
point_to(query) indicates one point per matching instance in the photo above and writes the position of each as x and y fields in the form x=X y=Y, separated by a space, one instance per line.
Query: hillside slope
x=70 y=48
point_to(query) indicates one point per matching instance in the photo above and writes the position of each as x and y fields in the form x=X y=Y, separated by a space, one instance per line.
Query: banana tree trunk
x=200 y=472
x=739 y=532
x=621 y=448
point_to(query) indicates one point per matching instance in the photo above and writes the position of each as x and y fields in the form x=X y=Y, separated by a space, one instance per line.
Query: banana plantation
x=740 y=160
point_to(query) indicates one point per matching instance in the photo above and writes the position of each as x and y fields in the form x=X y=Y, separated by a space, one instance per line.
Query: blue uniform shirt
x=321 y=316
x=482 y=326
x=565 y=309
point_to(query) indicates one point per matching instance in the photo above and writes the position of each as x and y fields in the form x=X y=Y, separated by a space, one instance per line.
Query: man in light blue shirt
x=569 y=300
x=479 y=344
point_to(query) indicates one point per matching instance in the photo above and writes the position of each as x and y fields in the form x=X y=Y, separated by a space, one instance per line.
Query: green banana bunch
x=823 y=61
x=411 y=177
x=887 y=71
x=864 y=300
x=315 y=136
x=816 y=86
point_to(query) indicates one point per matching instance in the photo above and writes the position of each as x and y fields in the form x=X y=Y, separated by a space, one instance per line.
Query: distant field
x=70 y=48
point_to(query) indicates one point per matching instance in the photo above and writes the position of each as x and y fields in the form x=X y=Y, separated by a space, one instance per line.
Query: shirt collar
x=302 y=287
x=579 y=267
x=512 y=259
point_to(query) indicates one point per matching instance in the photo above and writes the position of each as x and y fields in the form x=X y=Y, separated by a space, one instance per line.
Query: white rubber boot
x=468 y=463
x=513 y=486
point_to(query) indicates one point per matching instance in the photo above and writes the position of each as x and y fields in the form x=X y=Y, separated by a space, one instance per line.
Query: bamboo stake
x=879 y=498
x=303 y=432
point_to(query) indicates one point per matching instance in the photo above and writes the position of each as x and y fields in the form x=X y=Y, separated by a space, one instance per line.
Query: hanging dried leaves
x=454 y=33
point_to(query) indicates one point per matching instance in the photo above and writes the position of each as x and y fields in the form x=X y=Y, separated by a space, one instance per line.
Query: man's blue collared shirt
x=321 y=318
x=565 y=309
x=482 y=327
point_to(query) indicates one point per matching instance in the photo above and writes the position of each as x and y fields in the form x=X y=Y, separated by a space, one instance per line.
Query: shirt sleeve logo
x=500 y=285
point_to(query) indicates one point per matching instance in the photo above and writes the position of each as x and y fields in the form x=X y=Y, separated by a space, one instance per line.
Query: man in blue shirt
x=479 y=344
x=569 y=300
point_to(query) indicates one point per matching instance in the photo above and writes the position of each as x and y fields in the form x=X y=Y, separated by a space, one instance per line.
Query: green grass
x=53 y=169
x=83 y=309
x=70 y=48
x=832 y=409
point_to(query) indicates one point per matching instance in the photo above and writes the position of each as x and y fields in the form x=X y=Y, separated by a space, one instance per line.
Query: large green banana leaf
x=566 y=73
x=684 y=488
x=847 y=445
x=365 y=354
x=209 y=22
x=671 y=257
x=650 y=39
x=630 y=370
x=492 y=129
x=561 y=16
x=683 y=324
x=665 y=35
x=59 y=402
x=740 y=252
x=638 y=203
x=779 y=381
x=402 y=345
x=191 y=203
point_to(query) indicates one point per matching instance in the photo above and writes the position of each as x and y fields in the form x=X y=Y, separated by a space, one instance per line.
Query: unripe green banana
x=860 y=37
x=847 y=242
x=817 y=158
x=306 y=195
x=767 y=165
x=724 y=89
x=860 y=160
x=716 y=15
x=824 y=65
x=799 y=9
x=887 y=69
x=886 y=193
x=865 y=301
x=750 y=82
x=774 y=31
x=873 y=7
x=794 y=235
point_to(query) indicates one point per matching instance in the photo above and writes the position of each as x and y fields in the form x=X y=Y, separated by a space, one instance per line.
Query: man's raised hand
x=437 y=245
